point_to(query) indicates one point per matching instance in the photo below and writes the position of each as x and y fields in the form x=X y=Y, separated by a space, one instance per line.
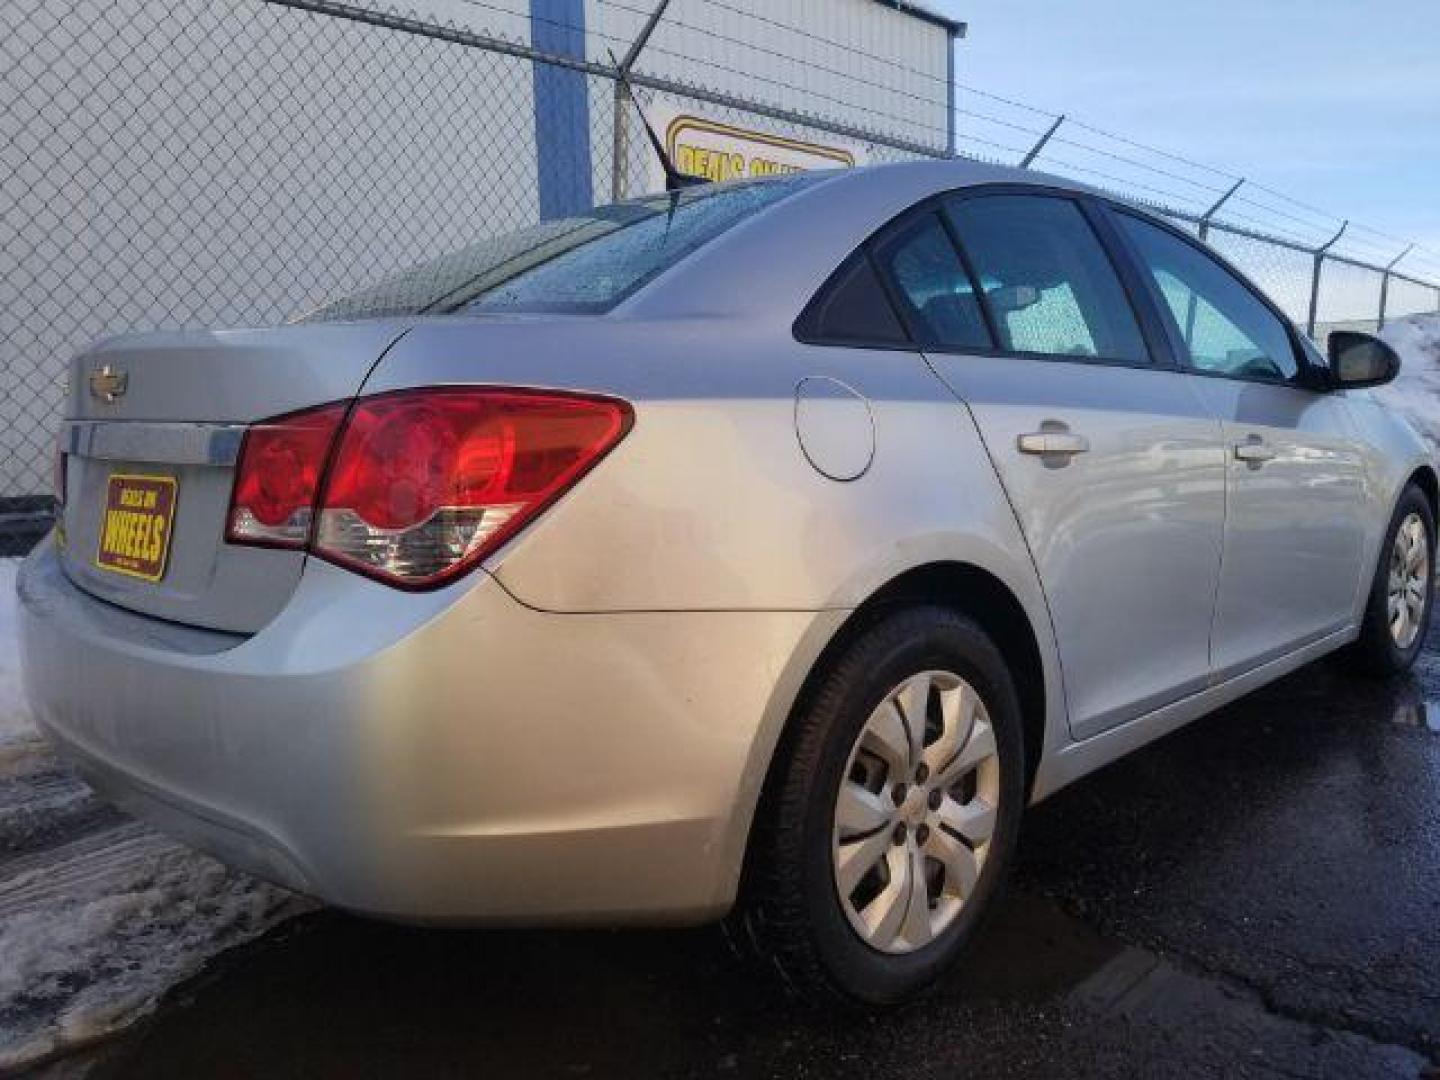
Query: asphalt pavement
x=1257 y=895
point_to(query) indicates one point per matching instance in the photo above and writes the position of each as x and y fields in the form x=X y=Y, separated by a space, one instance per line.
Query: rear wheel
x=1397 y=615
x=891 y=817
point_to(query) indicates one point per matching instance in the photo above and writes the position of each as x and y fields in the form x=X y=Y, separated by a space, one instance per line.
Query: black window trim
x=1160 y=356
x=1307 y=377
x=800 y=327
x=1154 y=332
x=987 y=313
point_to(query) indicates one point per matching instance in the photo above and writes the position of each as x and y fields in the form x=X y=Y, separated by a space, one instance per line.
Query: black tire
x=1376 y=653
x=790 y=914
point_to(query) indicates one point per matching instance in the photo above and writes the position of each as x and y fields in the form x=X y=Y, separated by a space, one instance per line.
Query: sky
x=1334 y=103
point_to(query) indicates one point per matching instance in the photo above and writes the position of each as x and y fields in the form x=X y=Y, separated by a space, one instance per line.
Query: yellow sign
x=135 y=527
x=717 y=151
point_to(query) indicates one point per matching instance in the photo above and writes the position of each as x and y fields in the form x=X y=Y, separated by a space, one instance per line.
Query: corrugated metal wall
x=857 y=62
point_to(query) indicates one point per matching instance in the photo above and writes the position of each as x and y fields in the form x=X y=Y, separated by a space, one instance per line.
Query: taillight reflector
x=277 y=479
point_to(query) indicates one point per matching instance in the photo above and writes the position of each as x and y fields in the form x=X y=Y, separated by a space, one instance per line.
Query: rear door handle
x=1062 y=443
x=1255 y=452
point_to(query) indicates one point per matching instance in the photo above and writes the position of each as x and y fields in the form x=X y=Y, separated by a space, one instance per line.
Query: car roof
x=948 y=173
x=789 y=248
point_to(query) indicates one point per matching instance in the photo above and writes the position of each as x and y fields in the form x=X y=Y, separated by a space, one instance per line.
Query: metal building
x=203 y=163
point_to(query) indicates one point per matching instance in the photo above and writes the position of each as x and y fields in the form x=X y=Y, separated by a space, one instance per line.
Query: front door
x=1294 y=524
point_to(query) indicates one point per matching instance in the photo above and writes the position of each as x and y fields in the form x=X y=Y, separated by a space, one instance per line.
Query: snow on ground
x=99 y=916
x=94 y=931
x=1416 y=393
x=15 y=724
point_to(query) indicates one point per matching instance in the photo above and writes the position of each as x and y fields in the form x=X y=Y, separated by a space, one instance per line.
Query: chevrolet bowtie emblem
x=107 y=383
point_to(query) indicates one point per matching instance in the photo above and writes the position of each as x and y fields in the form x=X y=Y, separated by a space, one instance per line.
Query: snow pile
x=99 y=916
x=92 y=933
x=1415 y=395
x=14 y=717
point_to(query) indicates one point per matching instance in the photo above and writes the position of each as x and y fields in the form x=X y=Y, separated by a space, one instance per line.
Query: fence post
x=1035 y=150
x=1205 y=217
x=620 y=148
x=1315 y=278
x=951 y=116
x=1385 y=285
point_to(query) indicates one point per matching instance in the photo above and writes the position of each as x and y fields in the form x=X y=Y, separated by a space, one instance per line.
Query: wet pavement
x=1258 y=894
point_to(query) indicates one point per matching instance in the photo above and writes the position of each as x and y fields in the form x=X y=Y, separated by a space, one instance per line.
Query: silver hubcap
x=916 y=812
x=1409 y=581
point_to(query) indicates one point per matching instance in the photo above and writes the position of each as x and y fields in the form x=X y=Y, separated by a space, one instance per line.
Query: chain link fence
x=169 y=163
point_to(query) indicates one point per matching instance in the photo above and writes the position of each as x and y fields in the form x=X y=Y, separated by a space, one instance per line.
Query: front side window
x=932 y=286
x=1050 y=287
x=1225 y=328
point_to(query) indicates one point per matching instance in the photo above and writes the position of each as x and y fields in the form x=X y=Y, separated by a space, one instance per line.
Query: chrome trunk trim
x=163 y=443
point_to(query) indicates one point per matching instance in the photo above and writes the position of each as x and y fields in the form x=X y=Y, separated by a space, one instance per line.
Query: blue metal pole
x=562 y=109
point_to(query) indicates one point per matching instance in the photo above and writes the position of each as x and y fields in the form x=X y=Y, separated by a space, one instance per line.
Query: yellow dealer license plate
x=135 y=529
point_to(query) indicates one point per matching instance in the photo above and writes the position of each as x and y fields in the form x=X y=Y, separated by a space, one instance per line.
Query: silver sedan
x=757 y=550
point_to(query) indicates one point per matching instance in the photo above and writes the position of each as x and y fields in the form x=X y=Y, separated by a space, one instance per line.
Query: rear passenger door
x=1295 y=526
x=1113 y=464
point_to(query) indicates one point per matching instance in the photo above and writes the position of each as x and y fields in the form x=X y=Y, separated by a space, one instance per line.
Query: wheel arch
x=965 y=587
x=1426 y=480
x=981 y=596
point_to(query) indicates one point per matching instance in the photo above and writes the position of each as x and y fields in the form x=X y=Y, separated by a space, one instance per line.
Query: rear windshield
x=587 y=263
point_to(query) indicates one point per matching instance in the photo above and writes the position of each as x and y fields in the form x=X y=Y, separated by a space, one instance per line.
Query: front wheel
x=1397 y=615
x=892 y=814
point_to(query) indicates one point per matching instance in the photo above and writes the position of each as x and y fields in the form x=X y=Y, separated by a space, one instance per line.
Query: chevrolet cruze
x=761 y=550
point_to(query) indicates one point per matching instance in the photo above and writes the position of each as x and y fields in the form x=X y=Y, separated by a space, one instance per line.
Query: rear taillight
x=277 y=479
x=423 y=483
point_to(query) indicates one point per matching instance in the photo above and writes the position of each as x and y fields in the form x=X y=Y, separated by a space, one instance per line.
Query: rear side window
x=1047 y=280
x=852 y=309
x=1226 y=329
x=931 y=284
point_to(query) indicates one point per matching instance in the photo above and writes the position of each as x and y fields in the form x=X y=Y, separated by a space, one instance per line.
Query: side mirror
x=1358 y=360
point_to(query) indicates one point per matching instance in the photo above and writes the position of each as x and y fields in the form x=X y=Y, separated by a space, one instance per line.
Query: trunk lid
x=161 y=416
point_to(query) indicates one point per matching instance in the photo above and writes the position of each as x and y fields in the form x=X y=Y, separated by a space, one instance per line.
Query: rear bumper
x=452 y=756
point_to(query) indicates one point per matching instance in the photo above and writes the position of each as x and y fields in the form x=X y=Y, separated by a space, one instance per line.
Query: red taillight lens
x=277 y=479
x=428 y=482
x=423 y=483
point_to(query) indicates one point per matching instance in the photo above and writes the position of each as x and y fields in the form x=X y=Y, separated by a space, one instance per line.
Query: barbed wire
x=1065 y=141
x=1275 y=204
x=807 y=63
x=329 y=143
x=1034 y=133
x=812 y=36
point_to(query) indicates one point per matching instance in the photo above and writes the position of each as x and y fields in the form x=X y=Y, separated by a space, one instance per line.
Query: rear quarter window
x=852 y=309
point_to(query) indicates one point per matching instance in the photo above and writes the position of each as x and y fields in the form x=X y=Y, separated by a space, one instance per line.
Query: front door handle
x=1255 y=452
x=1059 y=443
